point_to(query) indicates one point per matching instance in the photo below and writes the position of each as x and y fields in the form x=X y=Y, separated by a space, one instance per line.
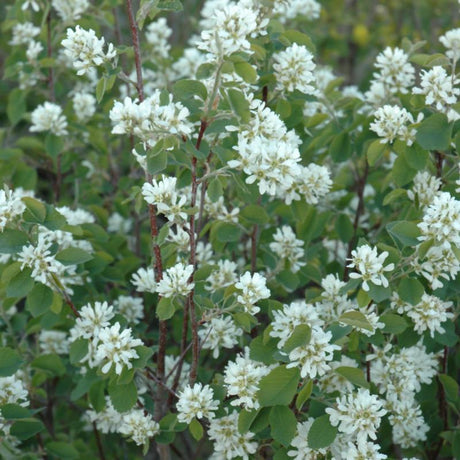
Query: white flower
x=108 y=420
x=228 y=441
x=138 y=426
x=370 y=265
x=84 y=105
x=86 y=50
x=116 y=348
x=49 y=117
x=253 y=289
x=144 y=280
x=176 y=281
x=33 y=50
x=313 y=357
x=13 y=391
x=441 y=221
x=222 y=276
x=219 y=333
x=364 y=451
x=157 y=34
x=242 y=377
x=451 y=40
x=30 y=3
x=53 y=342
x=11 y=205
x=76 y=216
x=23 y=33
x=294 y=69
x=333 y=381
x=196 y=402
x=391 y=123
x=132 y=308
x=425 y=188
x=290 y=9
x=357 y=414
x=70 y=10
x=302 y=450
x=287 y=247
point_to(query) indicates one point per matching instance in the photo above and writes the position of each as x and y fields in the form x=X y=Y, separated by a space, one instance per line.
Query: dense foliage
x=229 y=229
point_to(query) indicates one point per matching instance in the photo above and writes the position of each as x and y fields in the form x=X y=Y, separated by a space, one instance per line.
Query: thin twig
x=49 y=52
x=100 y=447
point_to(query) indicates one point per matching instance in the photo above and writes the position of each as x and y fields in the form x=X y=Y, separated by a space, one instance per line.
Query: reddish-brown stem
x=255 y=229
x=192 y=261
x=137 y=51
x=49 y=52
x=100 y=447
x=359 y=211
x=71 y=305
x=439 y=163
x=204 y=186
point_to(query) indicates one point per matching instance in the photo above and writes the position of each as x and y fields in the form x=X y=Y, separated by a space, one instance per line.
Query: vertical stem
x=49 y=52
x=137 y=52
x=100 y=447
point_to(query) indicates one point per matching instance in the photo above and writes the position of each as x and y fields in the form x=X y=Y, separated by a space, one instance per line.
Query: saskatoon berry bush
x=229 y=229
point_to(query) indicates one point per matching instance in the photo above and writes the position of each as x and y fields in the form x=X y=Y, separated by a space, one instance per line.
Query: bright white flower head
x=286 y=246
x=11 y=205
x=70 y=10
x=294 y=69
x=108 y=420
x=222 y=276
x=116 y=348
x=138 y=426
x=196 y=402
x=425 y=188
x=144 y=280
x=219 y=333
x=229 y=443
x=358 y=414
x=49 y=117
x=370 y=265
x=451 y=40
x=86 y=50
x=76 y=216
x=313 y=358
x=253 y=289
x=176 y=281
x=364 y=451
x=391 y=123
x=13 y=391
x=132 y=308
x=242 y=377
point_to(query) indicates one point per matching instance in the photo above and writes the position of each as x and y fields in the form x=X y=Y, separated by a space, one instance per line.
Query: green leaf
x=379 y=293
x=144 y=353
x=353 y=375
x=375 y=151
x=100 y=88
x=402 y=172
x=73 y=256
x=78 y=350
x=97 y=396
x=227 y=232
x=51 y=364
x=344 y=227
x=283 y=424
x=394 y=195
x=123 y=397
x=450 y=387
x=278 y=387
x=239 y=104
x=26 y=428
x=16 y=107
x=294 y=36
x=186 y=89
x=356 y=319
x=340 y=148
x=39 y=299
x=304 y=394
x=165 y=308
x=410 y=290
x=170 y=5
x=263 y=351
x=14 y=412
x=246 y=71
x=53 y=145
x=404 y=233
x=205 y=71
x=35 y=210
x=434 y=133
x=300 y=336
x=196 y=429
x=12 y=241
x=394 y=324
x=20 y=284
x=245 y=419
x=54 y=220
x=10 y=361
x=214 y=190
x=321 y=433
x=157 y=163
x=255 y=214
x=62 y=450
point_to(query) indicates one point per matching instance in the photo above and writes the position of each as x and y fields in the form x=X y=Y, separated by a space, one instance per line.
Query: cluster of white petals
x=70 y=10
x=11 y=205
x=253 y=288
x=49 y=117
x=176 y=281
x=219 y=333
x=196 y=401
x=287 y=247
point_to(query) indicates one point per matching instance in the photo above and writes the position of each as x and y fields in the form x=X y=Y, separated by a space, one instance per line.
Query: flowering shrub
x=221 y=250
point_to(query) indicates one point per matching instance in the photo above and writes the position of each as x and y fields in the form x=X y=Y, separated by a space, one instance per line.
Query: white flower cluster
x=391 y=123
x=294 y=69
x=370 y=266
x=222 y=276
x=176 y=281
x=11 y=205
x=151 y=119
x=358 y=414
x=53 y=342
x=253 y=289
x=84 y=106
x=144 y=280
x=13 y=391
x=290 y=9
x=108 y=346
x=86 y=50
x=425 y=188
x=196 y=402
x=439 y=90
x=157 y=34
x=23 y=33
x=451 y=40
x=242 y=377
x=70 y=10
x=302 y=449
x=49 y=117
x=163 y=194
x=132 y=308
x=268 y=153
x=287 y=247
x=230 y=29
x=219 y=333
x=228 y=441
